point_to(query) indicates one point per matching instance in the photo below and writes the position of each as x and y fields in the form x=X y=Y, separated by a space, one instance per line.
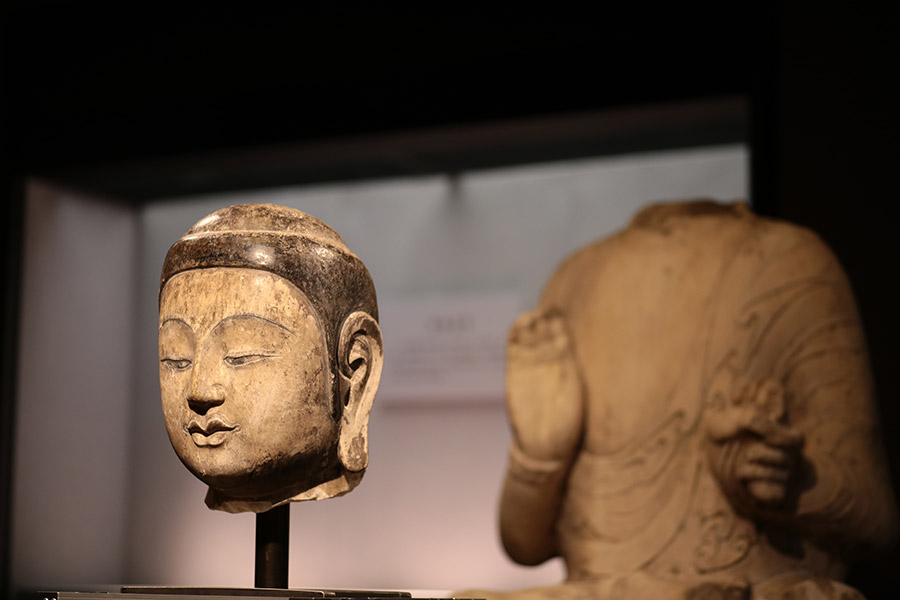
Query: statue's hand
x=761 y=473
x=543 y=389
x=753 y=452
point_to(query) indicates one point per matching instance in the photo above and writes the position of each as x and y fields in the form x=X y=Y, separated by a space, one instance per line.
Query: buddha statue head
x=270 y=355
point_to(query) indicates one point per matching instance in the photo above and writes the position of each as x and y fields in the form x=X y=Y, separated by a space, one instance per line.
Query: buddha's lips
x=209 y=426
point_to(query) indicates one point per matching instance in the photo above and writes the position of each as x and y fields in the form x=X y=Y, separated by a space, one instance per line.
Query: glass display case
x=461 y=194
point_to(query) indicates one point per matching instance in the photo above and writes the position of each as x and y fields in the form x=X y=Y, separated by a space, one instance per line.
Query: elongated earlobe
x=360 y=357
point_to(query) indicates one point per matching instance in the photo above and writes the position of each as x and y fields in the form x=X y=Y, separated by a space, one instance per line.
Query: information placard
x=446 y=348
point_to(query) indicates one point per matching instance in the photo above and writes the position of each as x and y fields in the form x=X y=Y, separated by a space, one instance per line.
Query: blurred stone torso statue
x=693 y=417
x=270 y=355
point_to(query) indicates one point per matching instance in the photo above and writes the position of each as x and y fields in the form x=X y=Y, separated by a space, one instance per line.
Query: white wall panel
x=73 y=431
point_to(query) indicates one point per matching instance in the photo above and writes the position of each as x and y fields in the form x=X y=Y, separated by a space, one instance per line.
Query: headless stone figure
x=693 y=417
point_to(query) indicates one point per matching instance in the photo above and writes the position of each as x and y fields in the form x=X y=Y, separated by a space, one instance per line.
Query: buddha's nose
x=206 y=392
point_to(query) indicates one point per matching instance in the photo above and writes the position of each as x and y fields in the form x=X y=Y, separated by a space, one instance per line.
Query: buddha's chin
x=218 y=468
x=241 y=479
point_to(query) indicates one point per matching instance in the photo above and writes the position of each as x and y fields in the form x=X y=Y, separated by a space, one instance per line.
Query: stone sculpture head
x=270 y=356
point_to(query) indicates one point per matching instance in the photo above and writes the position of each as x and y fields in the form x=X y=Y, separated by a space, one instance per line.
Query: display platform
x=205 y=593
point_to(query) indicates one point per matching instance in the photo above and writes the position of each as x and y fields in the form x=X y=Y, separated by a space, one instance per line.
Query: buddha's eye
x=245 y=359
x=178 y=364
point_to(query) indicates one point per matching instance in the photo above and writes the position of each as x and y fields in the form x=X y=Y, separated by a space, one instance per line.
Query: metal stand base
x=198 y=593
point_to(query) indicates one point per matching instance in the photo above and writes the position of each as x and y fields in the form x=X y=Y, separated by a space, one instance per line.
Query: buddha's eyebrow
x=176 y=320
x=252 y=316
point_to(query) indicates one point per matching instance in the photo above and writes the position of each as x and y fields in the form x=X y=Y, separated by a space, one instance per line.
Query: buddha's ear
x=360 y=356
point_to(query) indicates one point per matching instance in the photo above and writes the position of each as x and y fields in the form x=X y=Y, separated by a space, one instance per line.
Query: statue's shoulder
x=665 y=217
x=713 y=224
x=660 y=232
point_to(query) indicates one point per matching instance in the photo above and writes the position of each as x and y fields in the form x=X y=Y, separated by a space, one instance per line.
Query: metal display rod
x=272 y=542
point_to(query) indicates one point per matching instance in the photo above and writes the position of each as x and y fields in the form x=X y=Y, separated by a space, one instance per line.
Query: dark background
x=136 y=103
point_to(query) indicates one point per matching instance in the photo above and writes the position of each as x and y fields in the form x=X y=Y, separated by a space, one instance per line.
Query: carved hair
x=291 y=244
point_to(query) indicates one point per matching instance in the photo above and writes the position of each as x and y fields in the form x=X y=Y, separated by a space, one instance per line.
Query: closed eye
x=246 y=359
x=179 y=364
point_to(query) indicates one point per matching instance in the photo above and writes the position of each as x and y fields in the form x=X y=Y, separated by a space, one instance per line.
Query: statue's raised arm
x=545 y=402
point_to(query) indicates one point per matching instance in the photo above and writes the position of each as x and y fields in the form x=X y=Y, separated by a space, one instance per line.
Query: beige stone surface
x=693 y=416
x=269 y=357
